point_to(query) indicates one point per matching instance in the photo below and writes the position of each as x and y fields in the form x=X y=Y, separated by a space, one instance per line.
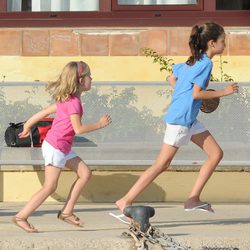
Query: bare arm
x=81 y=128
x=172 y=80
x=198 y=93
x=36 y=118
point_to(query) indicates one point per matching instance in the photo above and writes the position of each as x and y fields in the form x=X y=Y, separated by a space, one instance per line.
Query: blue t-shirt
x=183 y=108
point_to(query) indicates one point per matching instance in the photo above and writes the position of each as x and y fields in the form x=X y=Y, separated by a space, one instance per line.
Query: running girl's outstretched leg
x=161 y=164
x=50 y=184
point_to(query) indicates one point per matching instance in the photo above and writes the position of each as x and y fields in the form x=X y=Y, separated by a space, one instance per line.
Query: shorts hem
x=50 y=163
x=200 y=131
x=172 y=144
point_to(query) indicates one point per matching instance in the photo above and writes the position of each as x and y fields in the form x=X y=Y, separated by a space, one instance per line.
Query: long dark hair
x=199 y=38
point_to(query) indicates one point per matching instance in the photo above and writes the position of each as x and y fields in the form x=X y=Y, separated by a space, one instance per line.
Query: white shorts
x=177 y=135
x=55 y=157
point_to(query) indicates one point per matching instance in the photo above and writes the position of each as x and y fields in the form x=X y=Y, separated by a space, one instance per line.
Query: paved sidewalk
x=228 y=228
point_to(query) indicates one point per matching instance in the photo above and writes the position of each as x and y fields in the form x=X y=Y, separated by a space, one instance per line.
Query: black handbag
x=37 y=135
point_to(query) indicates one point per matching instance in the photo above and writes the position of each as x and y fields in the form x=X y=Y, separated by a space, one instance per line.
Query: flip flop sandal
x=70 y=218
x=31 y=228
x=120 y=218
x=201 y=207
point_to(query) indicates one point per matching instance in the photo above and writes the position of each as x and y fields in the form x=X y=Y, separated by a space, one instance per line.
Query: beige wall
x=113 y=54
x=107 y=186
x=113 y=68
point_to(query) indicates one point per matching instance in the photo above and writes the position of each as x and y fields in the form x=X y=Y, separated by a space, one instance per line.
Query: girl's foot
x=70 y=218
x=121 y=204
x=194 y=203
x=24 y=224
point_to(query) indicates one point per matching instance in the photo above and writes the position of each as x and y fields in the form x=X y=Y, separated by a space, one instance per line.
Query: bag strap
x=31 y=136
x=15 y=125
x=31 y=141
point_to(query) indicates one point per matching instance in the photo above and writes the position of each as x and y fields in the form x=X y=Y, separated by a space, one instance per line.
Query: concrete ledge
x=129 y=156
x=118 y=168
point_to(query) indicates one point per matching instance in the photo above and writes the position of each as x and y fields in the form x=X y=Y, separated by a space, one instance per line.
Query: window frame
x=178 y=7
x=107 y=17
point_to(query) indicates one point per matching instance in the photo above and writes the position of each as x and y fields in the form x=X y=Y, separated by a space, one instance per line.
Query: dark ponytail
x=199 y=38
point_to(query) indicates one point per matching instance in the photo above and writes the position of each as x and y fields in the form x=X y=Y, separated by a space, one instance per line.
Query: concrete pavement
x=227 y=228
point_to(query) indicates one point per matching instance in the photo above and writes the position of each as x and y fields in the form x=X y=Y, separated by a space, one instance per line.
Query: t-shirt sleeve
x=202 y=74
x=74 y=107
x=177 y=69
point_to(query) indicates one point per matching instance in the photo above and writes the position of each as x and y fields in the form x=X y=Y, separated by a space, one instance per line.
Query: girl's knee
x=217 y=155
x=50 y=188
x=220 y=154
x=162 y=166
x=86 y=174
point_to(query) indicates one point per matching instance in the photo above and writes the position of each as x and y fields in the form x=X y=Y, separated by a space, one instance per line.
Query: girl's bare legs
x=208 y=144
x=50 y=184
x=83 y=175
x=161 y=164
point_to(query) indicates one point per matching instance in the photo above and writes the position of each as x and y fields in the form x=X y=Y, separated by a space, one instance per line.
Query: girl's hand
x=25 y=132
x=105 y=121
x=231 y=89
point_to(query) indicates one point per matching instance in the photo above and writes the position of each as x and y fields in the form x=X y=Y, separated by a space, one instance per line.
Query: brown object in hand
x=210 y=105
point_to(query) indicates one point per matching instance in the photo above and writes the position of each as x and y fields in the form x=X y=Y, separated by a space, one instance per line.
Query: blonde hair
x=68 y=82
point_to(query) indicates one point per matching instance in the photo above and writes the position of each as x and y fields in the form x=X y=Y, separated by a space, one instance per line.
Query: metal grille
x=136 y=133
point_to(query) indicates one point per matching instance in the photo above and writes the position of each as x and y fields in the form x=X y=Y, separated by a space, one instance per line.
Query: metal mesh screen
x=136 y=133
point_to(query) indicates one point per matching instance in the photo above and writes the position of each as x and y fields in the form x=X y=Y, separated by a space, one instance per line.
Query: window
x=52 y=5
x=157 y=4
x=122 y=13
x=233 y=5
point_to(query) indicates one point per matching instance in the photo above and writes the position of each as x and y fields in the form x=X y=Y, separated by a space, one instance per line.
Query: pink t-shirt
x=61 y=134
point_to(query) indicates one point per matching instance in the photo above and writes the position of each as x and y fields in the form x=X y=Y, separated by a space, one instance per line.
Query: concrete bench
x=134 y=138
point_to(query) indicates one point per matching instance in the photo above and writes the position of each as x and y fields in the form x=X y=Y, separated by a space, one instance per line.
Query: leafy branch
x=223 y=76
x=165 y=62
